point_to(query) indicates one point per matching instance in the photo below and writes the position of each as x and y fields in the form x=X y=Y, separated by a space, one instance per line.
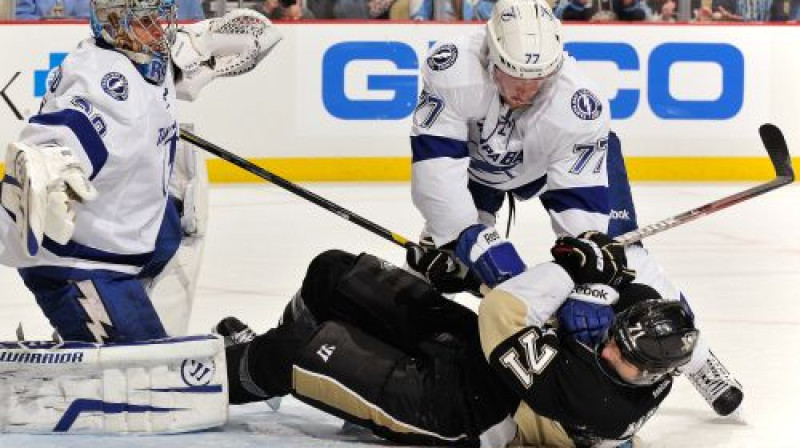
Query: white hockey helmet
x=524 y=39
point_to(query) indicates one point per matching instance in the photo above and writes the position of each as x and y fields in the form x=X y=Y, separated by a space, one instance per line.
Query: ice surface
x=740 y=269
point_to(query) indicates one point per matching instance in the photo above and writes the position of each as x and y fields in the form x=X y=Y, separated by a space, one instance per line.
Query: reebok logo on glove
x=491 y=237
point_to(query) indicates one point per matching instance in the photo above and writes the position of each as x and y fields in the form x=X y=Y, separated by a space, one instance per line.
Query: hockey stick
x=296 y=189
x=778 y=152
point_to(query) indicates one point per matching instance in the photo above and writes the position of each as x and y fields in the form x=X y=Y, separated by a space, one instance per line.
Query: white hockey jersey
x=463 y=132
x=124 y=131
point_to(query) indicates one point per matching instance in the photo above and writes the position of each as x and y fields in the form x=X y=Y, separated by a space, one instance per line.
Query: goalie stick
x=778 y=152
x=296 y=189
x=771 y=136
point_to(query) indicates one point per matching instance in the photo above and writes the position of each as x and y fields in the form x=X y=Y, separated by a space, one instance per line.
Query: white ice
x=740 y=269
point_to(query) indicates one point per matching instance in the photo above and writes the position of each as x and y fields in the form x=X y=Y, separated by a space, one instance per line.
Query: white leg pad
x=172 y=291
x=164 y=386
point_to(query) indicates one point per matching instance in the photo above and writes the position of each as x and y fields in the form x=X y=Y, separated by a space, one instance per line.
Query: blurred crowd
x=442 y=10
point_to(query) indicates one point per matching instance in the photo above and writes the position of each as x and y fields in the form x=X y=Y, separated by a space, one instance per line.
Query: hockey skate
x=234 y=331
x=719 y=388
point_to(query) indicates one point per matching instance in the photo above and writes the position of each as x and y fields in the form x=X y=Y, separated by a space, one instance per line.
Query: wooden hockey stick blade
x=778 y=152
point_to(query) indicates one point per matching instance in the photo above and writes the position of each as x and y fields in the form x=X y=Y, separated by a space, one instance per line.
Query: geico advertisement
x=350 y=89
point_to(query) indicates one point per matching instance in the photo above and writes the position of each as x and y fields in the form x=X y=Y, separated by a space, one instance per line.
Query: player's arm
x=225 y=46
x=440 y=160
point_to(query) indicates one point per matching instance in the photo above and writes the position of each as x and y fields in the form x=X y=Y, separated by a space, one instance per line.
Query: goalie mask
x=655 y=336
x=134 y=27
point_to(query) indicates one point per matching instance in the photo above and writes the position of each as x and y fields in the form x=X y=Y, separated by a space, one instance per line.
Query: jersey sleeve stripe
x=589 y=199
x=424 y=147
x=80 y=125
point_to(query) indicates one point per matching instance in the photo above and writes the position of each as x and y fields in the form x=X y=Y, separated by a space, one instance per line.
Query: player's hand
x=587 y=312
x=442 y=269
x=593 y=257
x=492 y=258
x=40 y=187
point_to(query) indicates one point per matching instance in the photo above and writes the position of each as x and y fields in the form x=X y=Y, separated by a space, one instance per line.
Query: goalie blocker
x=161 y=386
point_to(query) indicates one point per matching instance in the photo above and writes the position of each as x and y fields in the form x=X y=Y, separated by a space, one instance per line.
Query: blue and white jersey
x=124 y=131
x=465 y=135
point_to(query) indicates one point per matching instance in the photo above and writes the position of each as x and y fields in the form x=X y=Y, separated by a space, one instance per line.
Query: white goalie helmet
x=524 y=39
x=142 y=29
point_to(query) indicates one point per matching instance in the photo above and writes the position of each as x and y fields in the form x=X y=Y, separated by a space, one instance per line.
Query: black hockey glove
x=442 y=269
x=593 y=257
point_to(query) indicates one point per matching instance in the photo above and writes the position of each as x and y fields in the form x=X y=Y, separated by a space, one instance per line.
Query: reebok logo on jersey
x=325 y=351
x=443 y=58
x=586 y=105
x=619 y=214
x=115 y=85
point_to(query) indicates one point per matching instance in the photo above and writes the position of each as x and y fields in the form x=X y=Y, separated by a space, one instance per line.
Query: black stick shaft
x=294 y=188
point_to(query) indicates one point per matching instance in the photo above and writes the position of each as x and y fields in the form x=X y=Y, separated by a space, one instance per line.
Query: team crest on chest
x=443 y=58
x=115 y=85
x=586 y=105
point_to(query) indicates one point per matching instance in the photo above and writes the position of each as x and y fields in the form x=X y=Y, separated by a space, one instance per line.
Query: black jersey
x=560 y=379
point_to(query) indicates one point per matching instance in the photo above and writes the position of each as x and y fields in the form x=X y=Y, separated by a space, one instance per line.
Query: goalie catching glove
x=39 y=187
x=226 y=46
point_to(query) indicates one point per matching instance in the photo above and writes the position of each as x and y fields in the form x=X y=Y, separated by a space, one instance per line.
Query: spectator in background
x=667 y=12
x=477 y=9
x=350 y=9
x=735 y=11
x=631 y=10
x=52 y=9
x=574 y=10
x=283 y=10
x=442 y=10
x=624 y=10
x=190 y=10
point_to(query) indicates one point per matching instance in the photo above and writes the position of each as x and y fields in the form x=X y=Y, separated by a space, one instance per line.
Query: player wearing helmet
x=377 y=346
x=507 y=113
x=105 y=209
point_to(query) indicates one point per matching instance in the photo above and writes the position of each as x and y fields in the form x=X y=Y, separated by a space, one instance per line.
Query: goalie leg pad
x=163 y=386
x=94 y=306
x=357 y=377
x=172 y=281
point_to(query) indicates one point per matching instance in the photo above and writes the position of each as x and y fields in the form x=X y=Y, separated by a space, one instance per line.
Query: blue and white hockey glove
x=587 y=313
x=488 y=255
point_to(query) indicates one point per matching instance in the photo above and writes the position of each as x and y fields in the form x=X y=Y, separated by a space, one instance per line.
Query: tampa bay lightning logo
x=115 y=85
x=54 y=78
x=586 y=105
x=443 y=58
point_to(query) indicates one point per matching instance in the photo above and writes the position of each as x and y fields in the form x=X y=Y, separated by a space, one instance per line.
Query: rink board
x=333 y=101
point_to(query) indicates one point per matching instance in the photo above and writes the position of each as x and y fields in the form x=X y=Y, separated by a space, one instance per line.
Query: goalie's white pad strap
x=163 y=386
